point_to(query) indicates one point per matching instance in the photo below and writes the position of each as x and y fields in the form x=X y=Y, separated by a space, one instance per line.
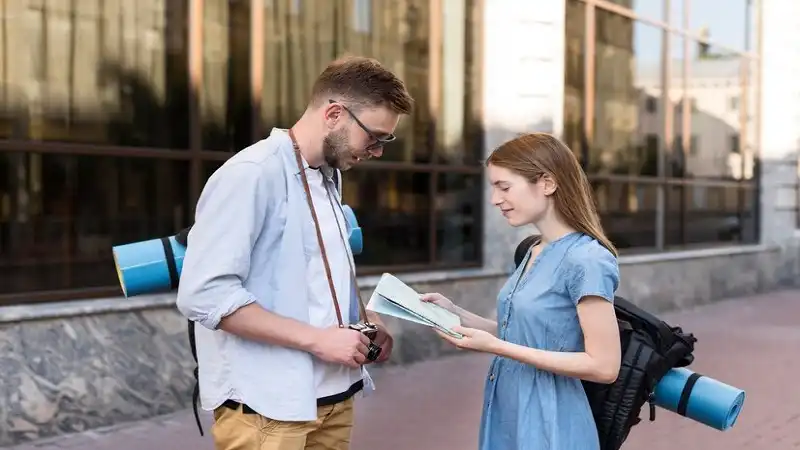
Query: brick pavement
x=747 y=342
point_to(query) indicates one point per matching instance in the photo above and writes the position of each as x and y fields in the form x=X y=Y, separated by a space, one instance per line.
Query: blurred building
x=113 y=114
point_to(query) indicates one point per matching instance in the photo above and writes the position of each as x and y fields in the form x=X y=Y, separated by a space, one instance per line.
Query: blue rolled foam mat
x=143 y=267
x=700 y=398
x=355 y=238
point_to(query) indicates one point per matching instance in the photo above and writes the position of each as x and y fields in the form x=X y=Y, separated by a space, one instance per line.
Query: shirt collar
x=325 y=170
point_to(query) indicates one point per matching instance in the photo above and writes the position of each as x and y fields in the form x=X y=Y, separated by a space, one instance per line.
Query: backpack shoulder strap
x=522 y=248
x=196 y=389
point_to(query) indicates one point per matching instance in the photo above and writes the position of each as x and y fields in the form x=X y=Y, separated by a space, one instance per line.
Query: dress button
x=491 y=377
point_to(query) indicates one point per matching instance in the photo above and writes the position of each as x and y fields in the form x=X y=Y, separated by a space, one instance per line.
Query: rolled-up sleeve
x=229 y=216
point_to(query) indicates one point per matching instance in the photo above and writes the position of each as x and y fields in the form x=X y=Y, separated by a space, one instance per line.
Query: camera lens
x=374 y=351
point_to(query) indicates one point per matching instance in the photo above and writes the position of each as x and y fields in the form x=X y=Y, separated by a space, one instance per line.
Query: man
x=275 y=366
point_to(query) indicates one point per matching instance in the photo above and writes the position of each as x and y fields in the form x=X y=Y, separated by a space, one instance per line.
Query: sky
x=725 y=20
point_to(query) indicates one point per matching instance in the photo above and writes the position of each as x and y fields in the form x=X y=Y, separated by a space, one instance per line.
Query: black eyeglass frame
x=379 y=141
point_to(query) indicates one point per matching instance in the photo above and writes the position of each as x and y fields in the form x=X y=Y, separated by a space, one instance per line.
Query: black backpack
x=650 y=348
x=183 y=238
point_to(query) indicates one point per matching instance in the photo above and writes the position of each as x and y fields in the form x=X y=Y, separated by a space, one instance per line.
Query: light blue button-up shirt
x=246 y=246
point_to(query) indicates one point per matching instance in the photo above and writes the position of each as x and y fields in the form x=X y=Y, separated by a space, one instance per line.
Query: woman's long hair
x=536 y=154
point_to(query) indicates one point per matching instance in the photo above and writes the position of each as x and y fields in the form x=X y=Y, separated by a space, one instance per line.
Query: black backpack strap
x=172 y=268
x=183 y=238
x=196 y=390
x=522 y=248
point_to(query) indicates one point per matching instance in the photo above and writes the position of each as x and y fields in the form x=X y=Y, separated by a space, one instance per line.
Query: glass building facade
x=660 y=107
x=113 y=113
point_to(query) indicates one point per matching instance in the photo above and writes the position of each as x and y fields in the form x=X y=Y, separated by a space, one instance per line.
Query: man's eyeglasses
x=379 y=141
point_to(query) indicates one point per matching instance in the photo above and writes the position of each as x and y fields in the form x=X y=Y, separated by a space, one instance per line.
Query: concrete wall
x=79 y=365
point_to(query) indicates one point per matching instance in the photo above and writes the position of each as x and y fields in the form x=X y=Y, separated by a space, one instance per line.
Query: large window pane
x=628 y=119
x=95 y=72
x=62 y=214
x=574 y=77
x=458 y=220
x=627 y=212
x=709 y=141
x=394 y=214
x=728 y=26
x=301 y=37
x=458 y=119
x=710 y=214
x=226 y=118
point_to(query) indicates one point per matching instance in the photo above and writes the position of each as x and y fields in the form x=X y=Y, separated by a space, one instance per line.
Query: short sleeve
x=592 y=273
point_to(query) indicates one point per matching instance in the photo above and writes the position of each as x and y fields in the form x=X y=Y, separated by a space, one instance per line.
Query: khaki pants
x=235 y=430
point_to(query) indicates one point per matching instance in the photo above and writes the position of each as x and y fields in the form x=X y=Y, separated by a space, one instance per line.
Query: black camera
x=371 y=332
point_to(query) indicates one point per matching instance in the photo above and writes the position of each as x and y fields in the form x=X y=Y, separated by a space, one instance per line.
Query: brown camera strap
x=362 y=309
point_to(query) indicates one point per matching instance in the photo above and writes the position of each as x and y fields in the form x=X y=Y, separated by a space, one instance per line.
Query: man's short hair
x=361 y=82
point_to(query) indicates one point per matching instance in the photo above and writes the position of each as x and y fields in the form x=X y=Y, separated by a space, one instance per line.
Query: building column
x=523 y=91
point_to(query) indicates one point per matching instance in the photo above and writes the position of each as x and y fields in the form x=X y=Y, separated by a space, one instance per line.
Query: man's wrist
x=310 y=340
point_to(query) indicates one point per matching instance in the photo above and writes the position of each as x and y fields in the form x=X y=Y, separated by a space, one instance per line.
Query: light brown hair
x=536 y=154
x=362 y=82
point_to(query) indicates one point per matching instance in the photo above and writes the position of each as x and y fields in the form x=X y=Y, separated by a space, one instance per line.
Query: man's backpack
x=183 y=238
x=650 y=348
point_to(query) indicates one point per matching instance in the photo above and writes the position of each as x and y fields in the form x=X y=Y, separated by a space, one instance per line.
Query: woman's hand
x=473 y=339
x=439 y=300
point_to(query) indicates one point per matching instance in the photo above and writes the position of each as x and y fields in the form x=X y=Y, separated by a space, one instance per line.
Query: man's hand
x=385 y=341
x=341 y=346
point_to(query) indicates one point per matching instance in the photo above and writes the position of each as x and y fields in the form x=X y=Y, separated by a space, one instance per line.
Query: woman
x=557 y=324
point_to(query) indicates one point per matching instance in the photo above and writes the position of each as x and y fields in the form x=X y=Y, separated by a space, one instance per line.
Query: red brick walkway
x=752 y=343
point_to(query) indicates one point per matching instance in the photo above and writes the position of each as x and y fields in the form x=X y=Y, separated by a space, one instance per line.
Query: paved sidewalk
x=751 y=343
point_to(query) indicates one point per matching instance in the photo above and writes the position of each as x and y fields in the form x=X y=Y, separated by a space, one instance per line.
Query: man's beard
x=335 y=149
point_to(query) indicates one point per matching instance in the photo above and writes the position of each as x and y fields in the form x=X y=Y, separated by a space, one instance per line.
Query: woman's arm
x=472 y=320
x=598 y=363
x=468 y=319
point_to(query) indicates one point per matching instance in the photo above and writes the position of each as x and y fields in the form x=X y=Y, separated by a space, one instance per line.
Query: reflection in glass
x=729 y=24
x=394 y=215
x=225 y=97
x=61 y=215
x=574 y=79
x=328 y=30
x=712 y=106
x=710 y=214
x=460 y=122
x=302 y=37
x=628 y=118
x=95 y=72
x=458 y=218
x=627 y=212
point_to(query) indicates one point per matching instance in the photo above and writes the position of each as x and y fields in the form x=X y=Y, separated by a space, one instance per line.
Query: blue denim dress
x=529 y=409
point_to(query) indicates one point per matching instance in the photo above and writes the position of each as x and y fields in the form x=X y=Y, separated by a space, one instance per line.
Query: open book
x=394 y=298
